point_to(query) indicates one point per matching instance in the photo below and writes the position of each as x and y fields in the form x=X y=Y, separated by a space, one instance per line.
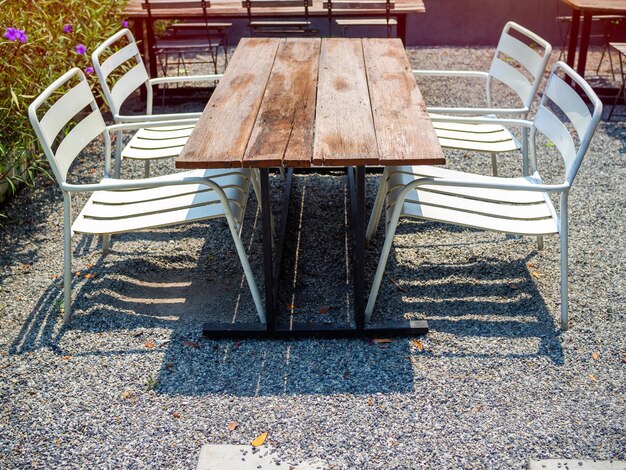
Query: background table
x=304 y=102
x=588 y=8
x=232 y=9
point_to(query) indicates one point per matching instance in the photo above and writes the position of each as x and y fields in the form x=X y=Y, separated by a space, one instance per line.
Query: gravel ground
x=132 y=384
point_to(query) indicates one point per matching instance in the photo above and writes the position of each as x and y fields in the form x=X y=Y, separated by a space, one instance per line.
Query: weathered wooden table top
x=309 y=101
x=608 y=6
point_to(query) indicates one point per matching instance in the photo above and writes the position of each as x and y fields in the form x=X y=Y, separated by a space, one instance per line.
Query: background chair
x=518 y=50
x=121 y=72
x=180 y=39
x=118 y=206
x=512 y=205
x=620 y=47
x=261 y=26
x=379 y=14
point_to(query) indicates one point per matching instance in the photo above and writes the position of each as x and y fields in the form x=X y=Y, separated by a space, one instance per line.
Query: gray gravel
x=131 y=383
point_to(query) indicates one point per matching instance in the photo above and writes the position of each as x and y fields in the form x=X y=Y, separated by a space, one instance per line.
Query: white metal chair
x=495 y=138
x=511 y=205
x=116 y=205
x=120 y=74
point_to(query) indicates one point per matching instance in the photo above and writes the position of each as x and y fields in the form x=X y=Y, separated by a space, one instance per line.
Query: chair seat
x=520 y=212
x=184 y=45
x=279 y=23
x=156 y=143
x=110 y=212
x=366 y=22
x=490 y=138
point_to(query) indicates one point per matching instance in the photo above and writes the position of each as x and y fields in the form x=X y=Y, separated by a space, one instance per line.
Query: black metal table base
x=272 y=269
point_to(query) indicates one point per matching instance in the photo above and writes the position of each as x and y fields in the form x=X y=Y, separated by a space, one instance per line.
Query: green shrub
x=39 y=41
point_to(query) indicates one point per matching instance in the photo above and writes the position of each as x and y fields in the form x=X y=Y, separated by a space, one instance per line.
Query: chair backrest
x=571 y=110
x=262 y=7
x=154 y=7
x=72 y=95
x=375 y=7
x=511 y=51
x=123 y=68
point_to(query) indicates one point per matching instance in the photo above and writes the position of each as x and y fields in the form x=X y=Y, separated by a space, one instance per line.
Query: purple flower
x=68 y=28
x=125 y=24
x=81 y=49
x=14 y=34
x=89 y=70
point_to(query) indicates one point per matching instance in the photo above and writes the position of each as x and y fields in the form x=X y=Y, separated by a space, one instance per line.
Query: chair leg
x=525 y=165
x=67 y=258
x=106 y=244
x=382 y=263
x=256 y=186
x=564 y=262
x=377 y=209
x=256 y=296
x=540 y=242
x=494 y=164
x=146 y=169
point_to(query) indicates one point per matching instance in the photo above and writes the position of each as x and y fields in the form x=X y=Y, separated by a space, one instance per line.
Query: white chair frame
x=136 y=206
x=493 y=138
x=472 y=200
x=170 y=141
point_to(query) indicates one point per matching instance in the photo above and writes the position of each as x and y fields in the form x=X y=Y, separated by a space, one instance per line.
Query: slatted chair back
x=75 y=110
x=571 y=110
x=122 y=72
x=373 y=7
x=153 y=7
x=266 y=8
x=512 y=51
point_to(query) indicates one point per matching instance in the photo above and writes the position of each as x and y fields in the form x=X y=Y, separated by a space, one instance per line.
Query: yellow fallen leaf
x=418 y=345
x=370 y=402
x=126 y=394
x=260 y=440
x=595 y=355
x=149 y=344
x=232 y=426
x=535 y=274
x=382 y=340
x=89 y=275
x=67 y=358
x=593 y=377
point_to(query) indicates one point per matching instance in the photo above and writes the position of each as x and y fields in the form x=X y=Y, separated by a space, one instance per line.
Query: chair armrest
x=131 y=126
x=452 y=73
x=536 y=187
x=114 y=184
x=185 y=78
x=482 y=120
x=436 y=109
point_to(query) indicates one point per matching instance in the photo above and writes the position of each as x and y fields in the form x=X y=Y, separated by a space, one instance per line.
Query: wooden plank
x=609 y=6
x=275 y=3
x=284 y=127
x=221 y=136
x=344 y=128
x=356 y=5
x=404 y=130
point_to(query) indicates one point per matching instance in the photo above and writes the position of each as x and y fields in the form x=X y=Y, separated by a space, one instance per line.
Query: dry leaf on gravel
x=370 y=402
x=191 y=344
x=535 y=274
x=176 y=415
x=418 y=345
x=325 y=309
x=149 y=344
x=126 y=394
x=232 y=426
x=593 y=377
x=260 y=440
x=595 y=355
x=398 y=286
x=382 y=340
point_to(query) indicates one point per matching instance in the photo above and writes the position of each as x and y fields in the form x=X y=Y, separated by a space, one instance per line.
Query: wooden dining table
x=587 y=8
x=311 y=102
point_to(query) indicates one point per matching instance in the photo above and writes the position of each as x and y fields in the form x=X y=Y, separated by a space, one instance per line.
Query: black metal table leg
x=359 y=248
x=266 y=219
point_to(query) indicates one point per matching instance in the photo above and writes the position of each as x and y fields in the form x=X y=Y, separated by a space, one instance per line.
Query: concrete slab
x=222 y=456
x=576 y=464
